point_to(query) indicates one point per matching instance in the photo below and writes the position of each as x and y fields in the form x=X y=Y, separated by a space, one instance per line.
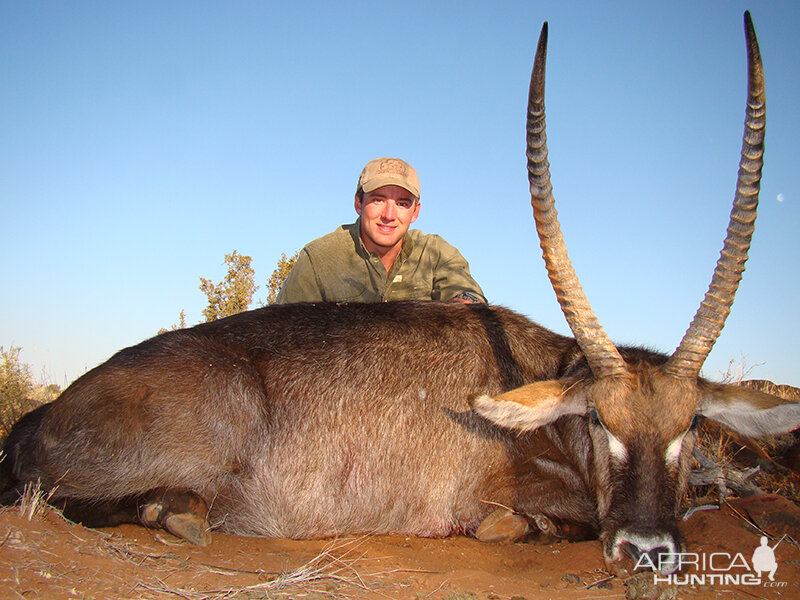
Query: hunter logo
x=717 y=568
x=764 y=559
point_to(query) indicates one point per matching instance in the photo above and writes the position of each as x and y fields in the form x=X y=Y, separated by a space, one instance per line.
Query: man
x=377 y=258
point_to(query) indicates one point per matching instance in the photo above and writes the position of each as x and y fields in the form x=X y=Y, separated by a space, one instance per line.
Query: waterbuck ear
x=533 y=405
x=748 y=411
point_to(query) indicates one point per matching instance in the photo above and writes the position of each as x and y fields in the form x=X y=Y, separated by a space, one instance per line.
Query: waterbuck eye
x=695 y=421
x=616 y=447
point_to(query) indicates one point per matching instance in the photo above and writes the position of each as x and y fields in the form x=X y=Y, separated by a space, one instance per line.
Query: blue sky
x=142 y=141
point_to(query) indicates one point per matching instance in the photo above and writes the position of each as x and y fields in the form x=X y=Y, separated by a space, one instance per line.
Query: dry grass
x=730 y=451
x=785 y=485
x=34 y=501
x=731 y=455
x=782 y=391
x=337 y=571
x=340 y=570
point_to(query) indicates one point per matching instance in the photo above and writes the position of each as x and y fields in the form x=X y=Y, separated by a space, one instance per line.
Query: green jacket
x=338 y=268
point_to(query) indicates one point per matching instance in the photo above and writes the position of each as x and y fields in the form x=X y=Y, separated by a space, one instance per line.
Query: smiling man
x=378 y=258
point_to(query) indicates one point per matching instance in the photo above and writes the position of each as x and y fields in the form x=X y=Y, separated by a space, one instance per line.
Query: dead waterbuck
x=410 y=417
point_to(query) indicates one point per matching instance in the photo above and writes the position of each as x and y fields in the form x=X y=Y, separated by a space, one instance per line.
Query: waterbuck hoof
x=545 y=525
x=189 y=527
x=182 y=513
x=502 y=526
x=151 y=513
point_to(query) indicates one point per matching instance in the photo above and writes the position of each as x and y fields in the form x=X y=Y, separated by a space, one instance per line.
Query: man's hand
x=466 y=298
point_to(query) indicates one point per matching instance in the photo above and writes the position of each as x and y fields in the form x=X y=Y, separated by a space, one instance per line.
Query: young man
x=377 y=258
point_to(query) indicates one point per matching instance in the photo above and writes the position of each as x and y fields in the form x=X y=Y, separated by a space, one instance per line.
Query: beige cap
x=388 y=171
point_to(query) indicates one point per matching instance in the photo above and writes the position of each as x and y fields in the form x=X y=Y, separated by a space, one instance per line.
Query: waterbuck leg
x=551 y=531
x=91 y=513
x=181 y=512
x=12 y=495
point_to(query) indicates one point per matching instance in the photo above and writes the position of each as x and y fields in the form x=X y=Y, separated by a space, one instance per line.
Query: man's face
x=386 y=214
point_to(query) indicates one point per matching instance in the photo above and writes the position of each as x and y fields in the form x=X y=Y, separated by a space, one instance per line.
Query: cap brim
x=389 y=179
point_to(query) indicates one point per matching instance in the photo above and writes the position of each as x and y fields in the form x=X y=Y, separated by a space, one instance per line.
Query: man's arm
x=452 y=279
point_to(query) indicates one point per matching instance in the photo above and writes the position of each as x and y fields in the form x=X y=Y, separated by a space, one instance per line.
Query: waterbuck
x=415 y=418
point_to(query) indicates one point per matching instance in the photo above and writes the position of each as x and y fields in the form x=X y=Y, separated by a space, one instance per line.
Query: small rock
x=466 y=595
x=571 y=578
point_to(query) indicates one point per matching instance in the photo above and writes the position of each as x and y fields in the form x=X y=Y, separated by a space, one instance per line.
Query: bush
x=18 y=392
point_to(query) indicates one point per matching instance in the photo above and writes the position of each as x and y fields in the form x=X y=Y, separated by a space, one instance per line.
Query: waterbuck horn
x=603 y=357
x=707 y=324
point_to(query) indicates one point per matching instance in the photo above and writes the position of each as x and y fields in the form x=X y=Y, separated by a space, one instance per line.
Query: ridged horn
x=603 y=357
x=709 y=320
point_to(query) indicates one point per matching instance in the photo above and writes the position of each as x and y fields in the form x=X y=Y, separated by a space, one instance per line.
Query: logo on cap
x=392 y=165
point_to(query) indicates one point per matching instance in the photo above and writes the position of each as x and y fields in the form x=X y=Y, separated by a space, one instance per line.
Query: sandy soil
x=49 y=558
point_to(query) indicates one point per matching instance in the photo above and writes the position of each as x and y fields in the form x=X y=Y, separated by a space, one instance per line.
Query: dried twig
x=725 y=478
x=511 y=510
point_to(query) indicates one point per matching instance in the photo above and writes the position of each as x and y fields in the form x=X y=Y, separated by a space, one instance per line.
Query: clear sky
x=142 y=141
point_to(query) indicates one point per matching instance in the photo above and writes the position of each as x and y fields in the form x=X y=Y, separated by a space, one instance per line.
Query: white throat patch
x=673 y=452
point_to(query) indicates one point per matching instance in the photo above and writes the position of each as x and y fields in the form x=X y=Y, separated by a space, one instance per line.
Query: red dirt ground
x=49 y=558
